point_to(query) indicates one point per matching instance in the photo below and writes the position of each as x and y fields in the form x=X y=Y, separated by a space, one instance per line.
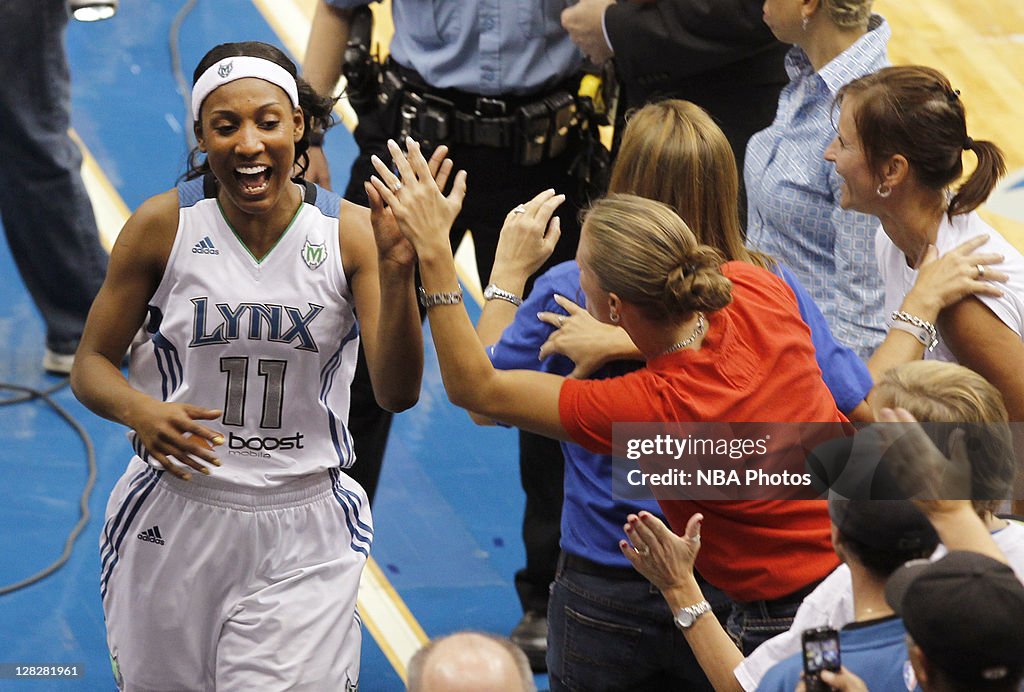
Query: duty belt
x=536 y=127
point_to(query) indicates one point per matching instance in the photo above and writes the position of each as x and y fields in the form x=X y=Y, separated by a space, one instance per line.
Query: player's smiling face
x=248 y=131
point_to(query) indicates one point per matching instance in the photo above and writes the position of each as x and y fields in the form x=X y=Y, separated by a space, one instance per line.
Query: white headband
x=239 y=67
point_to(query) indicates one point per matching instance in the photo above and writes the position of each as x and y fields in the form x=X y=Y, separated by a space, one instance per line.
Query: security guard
x=495 y=80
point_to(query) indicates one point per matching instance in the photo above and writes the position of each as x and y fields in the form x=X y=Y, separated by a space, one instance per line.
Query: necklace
x=697 y=331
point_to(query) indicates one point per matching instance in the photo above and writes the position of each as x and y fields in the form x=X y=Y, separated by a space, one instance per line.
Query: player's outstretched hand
x=392 y=246
x=171 y=433
x=424 y=214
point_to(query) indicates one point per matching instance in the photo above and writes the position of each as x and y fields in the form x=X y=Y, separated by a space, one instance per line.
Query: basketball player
x=234 y=542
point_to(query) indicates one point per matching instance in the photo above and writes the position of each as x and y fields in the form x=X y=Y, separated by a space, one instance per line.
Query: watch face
x=685 y=618
x=488 y=292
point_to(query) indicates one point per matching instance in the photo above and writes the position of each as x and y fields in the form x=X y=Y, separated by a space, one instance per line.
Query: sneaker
x=531 y=635
x=58 y=363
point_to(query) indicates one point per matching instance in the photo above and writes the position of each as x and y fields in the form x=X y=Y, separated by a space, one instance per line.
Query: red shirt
x=756 y=364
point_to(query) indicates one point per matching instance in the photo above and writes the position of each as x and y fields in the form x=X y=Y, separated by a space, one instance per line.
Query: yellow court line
x=110 y=210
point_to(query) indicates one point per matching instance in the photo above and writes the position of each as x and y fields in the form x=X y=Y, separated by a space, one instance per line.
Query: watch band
x=429 y=300
x=493 y=292
x=686 y=616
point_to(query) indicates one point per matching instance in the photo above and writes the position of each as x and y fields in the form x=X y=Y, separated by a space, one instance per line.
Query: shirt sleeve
x=860 y=295
x=519 y=345
x=844 y=372
x=783 y=676
x=683 y=37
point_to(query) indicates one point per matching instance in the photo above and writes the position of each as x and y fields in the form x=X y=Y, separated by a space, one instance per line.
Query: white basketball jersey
x=272 y=342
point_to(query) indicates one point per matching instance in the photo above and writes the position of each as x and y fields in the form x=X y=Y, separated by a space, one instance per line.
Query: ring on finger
x=642 y=550
x=561 y=320
x=398 y=186
x=981 y=271
x=521 y=209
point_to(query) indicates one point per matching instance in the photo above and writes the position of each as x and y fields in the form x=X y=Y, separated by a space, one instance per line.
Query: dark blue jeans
x=46 y=213
x=752 y=624
x=609 y=634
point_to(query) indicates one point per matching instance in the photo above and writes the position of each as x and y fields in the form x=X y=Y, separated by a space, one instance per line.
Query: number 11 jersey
x=270 y=341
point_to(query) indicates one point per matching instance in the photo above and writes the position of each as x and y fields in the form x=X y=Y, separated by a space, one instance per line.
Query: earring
x=805 y=22
x=613 y=316
x=883 y=190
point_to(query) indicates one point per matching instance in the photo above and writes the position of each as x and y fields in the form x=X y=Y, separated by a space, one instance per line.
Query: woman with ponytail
x=901 y=136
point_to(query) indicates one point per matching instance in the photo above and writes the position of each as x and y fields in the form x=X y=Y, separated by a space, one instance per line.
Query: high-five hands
x=414 y=197
x=391 y=244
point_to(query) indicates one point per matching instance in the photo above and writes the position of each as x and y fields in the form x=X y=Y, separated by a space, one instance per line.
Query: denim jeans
x=46 y=212
x=617 y=634
x=751 y=624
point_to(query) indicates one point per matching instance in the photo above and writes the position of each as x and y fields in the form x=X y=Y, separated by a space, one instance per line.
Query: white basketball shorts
x=220 y=589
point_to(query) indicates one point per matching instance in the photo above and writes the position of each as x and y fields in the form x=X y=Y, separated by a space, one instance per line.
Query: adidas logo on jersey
x=205 y=247
x=152 y=536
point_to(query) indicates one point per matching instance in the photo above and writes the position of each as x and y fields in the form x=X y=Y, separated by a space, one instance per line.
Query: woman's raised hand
x=528 y=236
x=423 y=213
x=660 y=555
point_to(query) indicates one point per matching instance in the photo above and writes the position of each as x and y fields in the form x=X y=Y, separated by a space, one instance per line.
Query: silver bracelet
x=921 y=330
x=429 y=300
x=492 y=292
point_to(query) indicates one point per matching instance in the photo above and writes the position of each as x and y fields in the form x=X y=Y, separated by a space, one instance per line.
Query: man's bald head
x=467 y=661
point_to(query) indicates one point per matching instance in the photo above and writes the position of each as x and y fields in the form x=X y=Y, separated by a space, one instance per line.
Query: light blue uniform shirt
x=488 y=47
x=793 y=195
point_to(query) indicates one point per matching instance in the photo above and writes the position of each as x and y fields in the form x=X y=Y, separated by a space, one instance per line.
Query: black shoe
x=531 y=635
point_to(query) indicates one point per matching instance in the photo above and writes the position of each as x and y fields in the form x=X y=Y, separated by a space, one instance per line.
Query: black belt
x=595 y=569
x=536 y=126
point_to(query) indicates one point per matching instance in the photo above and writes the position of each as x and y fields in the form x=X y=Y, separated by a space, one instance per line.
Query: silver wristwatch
x=686 y=616
x=492 y=292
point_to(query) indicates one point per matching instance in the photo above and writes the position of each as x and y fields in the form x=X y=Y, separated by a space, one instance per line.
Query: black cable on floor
x=29 y=394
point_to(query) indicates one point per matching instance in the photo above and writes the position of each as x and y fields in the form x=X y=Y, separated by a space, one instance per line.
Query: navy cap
x=966 y=612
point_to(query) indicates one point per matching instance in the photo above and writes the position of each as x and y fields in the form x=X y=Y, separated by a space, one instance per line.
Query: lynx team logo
x=314 y=255
x=225 y=69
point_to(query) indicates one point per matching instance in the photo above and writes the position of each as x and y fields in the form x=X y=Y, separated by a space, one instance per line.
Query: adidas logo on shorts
x=152 y=536
x=205 y=247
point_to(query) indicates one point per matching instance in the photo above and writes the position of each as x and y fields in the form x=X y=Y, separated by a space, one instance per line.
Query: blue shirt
x=487 y=47
x=793 y=194
x=875 y=651
x=592 y=515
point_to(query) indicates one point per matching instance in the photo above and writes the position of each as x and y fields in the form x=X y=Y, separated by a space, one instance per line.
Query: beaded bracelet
x=429 y=300
x=921 y=330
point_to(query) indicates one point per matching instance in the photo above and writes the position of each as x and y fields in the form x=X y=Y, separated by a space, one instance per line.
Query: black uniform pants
x=495 y=184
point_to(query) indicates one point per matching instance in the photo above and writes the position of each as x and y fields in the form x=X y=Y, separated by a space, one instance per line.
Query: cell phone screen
x=821 y=652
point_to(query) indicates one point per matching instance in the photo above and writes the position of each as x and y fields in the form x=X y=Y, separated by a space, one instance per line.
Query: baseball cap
x=893 y=525
x=966 y=612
